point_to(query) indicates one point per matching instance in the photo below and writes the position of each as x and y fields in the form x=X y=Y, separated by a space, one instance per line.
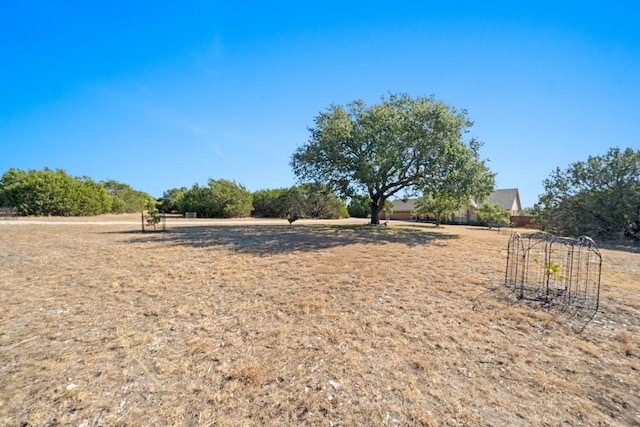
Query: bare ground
x=319 y=324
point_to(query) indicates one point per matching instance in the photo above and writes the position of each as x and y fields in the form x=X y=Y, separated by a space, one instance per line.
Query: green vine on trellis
x=552 y=268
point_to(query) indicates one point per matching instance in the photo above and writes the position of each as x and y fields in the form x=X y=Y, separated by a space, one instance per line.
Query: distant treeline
x=226 y=199
x=56 y=193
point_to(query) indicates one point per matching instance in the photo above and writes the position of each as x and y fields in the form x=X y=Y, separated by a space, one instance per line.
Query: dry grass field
x=324 y=323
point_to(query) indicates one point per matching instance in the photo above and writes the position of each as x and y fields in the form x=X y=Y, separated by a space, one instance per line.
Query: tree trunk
x=375 y=213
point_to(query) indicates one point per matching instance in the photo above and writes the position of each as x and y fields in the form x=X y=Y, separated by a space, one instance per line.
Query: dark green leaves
x=50 y=192
x=599 y=198
x=402 y=143
x=219 y=199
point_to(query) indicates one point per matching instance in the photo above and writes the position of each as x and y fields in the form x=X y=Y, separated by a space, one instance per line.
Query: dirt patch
x=318 y=324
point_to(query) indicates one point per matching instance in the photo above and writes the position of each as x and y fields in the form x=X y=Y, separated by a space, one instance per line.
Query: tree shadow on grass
x=274 y=239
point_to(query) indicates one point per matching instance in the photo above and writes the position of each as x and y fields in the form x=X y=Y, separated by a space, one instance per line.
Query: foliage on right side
x=599 y=197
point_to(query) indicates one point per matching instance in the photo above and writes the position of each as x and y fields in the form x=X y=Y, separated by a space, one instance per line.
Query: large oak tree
x=401 y=143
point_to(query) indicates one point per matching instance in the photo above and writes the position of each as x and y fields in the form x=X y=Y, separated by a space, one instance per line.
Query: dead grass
x=320 y=324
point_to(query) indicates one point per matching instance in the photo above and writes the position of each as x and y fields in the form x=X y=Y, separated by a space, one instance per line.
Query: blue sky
x=166 y=94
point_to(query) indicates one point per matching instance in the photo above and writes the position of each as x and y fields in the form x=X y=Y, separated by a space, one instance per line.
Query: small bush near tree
x=438 y=206
x=493 y=213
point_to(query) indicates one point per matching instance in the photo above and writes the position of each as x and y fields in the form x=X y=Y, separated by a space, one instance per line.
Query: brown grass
x=321 y=324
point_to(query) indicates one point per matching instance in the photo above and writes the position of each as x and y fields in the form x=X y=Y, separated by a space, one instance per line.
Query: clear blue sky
x=164 y=94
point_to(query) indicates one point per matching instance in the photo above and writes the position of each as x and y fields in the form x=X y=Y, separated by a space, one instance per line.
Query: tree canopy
x=359 y=206
x=219 y=199
x=599 y=197
x=305 y=201
x=171 y=199
x=125 y=199
x=492 y=213
x=401 y=143
x=49 y=192
x=439 y=206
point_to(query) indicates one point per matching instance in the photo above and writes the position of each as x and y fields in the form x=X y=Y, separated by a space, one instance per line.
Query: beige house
x=402 y=210
x=507 y=198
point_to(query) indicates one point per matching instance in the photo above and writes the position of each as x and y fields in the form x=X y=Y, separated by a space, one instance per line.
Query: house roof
x=506 y=198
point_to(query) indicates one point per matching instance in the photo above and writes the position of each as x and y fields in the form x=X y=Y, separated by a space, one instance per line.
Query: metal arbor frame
x=560 y=272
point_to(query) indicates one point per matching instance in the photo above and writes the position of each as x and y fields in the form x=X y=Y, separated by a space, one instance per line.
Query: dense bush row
x=49 y=192
x=307 y=200
x=219 y=199
x=226 y=199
